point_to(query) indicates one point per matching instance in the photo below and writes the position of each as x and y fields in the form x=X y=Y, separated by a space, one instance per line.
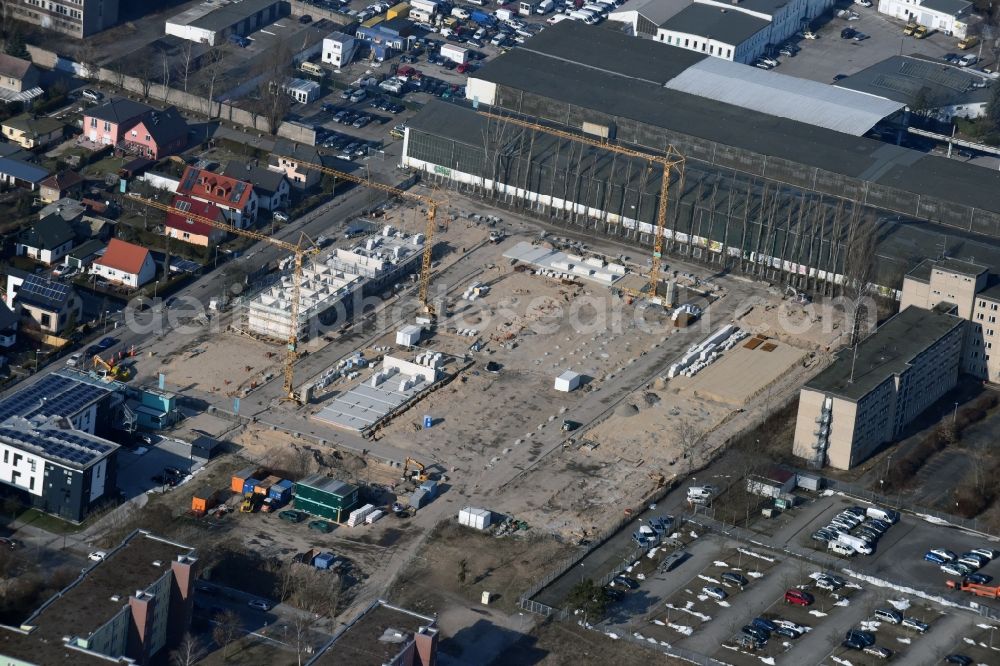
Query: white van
x=460 y=12
x=888 y=515
x=578 y=15
x=597 y=10
x=545 y=6
x=839 y=548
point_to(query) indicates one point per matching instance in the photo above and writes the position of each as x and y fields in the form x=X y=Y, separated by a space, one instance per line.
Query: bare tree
x=216 y=57
x=86 y=55
x=188 y=652
x=118 y=74
x=187 y=56
x=165 y=76
x=859 y=269
x=273 y=102
x=227 y=628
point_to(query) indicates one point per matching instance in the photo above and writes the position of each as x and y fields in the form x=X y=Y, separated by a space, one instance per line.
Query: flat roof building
x=81 y=18
x=382 y=634
x=873 y=390
x=134 y=604
x=212 y=24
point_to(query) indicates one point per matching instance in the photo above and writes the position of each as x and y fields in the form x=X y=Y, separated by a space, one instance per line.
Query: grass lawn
x=105 y=166
x=36 y=518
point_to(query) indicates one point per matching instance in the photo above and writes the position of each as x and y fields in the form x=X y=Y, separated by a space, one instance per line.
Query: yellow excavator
x=112 y=370
x=247 y=505
x=418 y=474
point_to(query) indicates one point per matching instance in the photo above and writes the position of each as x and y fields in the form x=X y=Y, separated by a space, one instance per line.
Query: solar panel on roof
x=190 y=180
x=38 y=286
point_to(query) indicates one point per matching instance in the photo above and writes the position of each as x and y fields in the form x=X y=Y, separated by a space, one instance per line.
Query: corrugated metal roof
x=784 y=96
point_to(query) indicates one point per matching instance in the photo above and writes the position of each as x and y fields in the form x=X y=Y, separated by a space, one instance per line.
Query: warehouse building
x=948 y=16
x=874 y=390
x=326 y=497
x=132 y=607
x=212 y=24
x=763 y=193
x=382 y=634
x=937 y=89
x=76 y=18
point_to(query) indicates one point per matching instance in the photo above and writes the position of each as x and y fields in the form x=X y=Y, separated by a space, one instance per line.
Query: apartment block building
x=382 y=634
x=974 y=293
x=872 y=391
x=77 y=18
x=131 y=607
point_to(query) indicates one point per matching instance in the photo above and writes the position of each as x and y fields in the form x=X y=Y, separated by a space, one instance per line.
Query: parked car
x=848 y=33
x=888 y=615
x=291 y=516
x=956 y=569
x=798 y=597
x=765 y=624
x=864 y=638
x=260 y=604
x=988 y=553
x=74 y=360
x=92 y=95
x=877 y=650
x=915 y=624
x=859 y=37
x=735 y=578
x=940 y=556
x=788 y=624
x=107 y=343
x=756 y=632
x=625 y=581
x=715 y=592
x=959 y=659
x=979 y=579
x=97 y=556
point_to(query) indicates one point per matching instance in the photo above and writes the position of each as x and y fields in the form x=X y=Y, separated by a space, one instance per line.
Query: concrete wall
x=298 y=132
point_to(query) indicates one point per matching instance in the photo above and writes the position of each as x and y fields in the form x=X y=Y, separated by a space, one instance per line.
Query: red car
x=798 y=597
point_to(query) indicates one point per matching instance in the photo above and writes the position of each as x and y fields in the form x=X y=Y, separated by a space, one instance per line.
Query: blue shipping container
x=281 y=491
x=418 y=499
x=249 y=485
x=429 y=487
x=324 y=560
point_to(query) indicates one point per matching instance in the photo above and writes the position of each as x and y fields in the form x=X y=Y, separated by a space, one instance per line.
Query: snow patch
x=754 y=554
x=969 y=640
x=878 y=582
x=815 y=575
x=870 y=625
x=612 y=635
x=843 y=602
x=755 y=574
x=768 y=660
x=652 y=552
x=904 y=639
x=694 y=535
x=724 y=604
x=660 y=623
x=720 y=563
x=817 y=613
x=641 y=576
x=839 y=660
x=680 y=628
x=902 y=604
x=702 y=597
x=985 y=626
x=687 y=609
x=934 y=520
x=709 y=579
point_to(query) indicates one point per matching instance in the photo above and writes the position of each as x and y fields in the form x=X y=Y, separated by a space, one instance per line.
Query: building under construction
x=330 y=281
x=779 y=194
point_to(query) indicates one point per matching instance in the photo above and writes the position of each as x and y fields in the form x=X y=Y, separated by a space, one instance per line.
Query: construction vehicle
x=670 y=162
x=111 y=370
x=247 y=505
x=299 y=251
x=418 y=474
x=988 y=591
x=431 y=204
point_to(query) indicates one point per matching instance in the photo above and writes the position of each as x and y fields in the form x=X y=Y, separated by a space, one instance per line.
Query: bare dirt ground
x=224 y=363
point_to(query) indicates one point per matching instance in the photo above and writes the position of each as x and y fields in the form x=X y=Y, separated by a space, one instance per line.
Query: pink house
x=107 y=124
x=157 y=134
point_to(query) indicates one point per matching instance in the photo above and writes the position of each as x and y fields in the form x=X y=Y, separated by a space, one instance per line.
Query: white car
x=714 y=592
x=788 y=624
x=988 y=553
x=955 y=569
x=280 y=216
x=74 y=360
x=945 y=555
x=97 y=556
x=260 y=604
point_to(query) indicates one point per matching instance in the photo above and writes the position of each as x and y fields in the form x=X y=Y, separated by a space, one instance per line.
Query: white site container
x=358 y=516
x=568 y=381
x=373 y=516
x=476 y=518
x=408 y=335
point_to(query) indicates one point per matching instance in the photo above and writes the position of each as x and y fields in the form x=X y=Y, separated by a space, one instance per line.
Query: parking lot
x=825 y=58
x=143 y=468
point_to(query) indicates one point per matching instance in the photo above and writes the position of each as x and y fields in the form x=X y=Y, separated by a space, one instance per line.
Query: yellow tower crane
x=431 y=204
x=670 y=161
x=299 y=252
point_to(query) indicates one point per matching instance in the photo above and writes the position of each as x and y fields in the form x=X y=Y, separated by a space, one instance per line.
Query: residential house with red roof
x=156 y=135
x=184 y=228
x=234 y=197
x=125 y=264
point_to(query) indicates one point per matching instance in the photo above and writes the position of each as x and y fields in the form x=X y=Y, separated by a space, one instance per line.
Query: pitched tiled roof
x=63 y=180
x=118 y=110
x=264 y=180
x=13 y=67
x=34 y=126
x=123 y=256
x=193 y=207
x=217 y=188
x=164 y=126
x=48 y=233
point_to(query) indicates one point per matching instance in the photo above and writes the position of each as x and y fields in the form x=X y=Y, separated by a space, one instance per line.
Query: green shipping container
x=323 y=496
